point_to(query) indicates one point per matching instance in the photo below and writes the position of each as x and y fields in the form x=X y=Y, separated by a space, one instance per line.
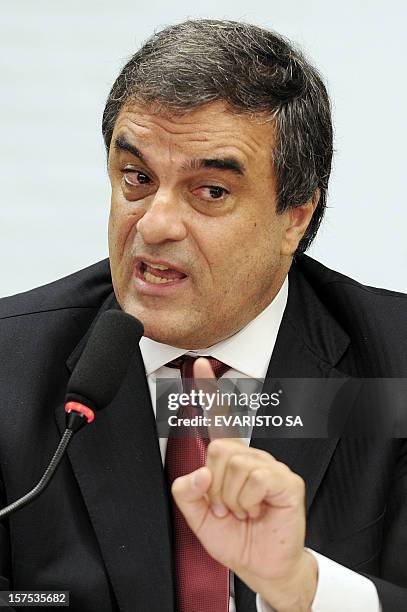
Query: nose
x=162 y=220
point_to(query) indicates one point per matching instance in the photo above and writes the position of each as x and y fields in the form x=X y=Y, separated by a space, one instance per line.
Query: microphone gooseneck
x=49 y=472
x=94 y=383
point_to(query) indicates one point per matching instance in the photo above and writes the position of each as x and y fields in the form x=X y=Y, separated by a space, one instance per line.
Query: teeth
x=151 y=278
x=157 y=266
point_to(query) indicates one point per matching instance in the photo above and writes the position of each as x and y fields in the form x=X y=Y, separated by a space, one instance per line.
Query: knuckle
x=299 y=483
x=258 y=477
x=262 y=454
x=216 y=448
x=176 y=487
x=237 y=463
x=283 y=467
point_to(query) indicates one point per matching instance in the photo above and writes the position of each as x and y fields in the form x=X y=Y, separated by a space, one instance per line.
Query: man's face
x=195 y=194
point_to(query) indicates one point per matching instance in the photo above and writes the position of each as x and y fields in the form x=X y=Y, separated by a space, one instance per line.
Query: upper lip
x=148 y=260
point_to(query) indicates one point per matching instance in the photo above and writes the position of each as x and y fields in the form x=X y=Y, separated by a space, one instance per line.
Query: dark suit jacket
x=102 y=528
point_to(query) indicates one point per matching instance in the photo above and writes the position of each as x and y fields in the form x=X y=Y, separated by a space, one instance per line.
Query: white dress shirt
x=248 y=353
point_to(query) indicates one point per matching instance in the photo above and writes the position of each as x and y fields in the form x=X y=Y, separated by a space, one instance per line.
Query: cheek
x=248 y=255
x=227 y=252
x=123 y=227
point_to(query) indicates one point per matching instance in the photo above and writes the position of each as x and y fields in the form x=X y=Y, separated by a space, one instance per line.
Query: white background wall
x=59 y=60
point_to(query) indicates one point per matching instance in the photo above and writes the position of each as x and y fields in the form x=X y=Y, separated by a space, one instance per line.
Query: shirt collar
x=248 y=351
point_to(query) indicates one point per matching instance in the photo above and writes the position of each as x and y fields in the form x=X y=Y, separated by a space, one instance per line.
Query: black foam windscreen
x=105 y=359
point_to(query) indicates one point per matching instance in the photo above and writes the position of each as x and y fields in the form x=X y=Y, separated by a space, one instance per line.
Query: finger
x=189 y=493
x=237 y=471
x=256 y=511
x=205 y=381
x=254 y=491
x=277 y=486
x=218 y=455
x=203 y=369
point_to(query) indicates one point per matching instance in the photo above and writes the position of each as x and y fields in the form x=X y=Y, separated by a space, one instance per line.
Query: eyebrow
x=121 y=144
x=228 y=164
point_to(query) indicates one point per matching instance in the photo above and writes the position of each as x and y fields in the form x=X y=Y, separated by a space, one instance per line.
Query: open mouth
x=158 y=273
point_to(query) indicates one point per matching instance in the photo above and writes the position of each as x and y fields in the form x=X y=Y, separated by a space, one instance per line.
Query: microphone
x=94 y=383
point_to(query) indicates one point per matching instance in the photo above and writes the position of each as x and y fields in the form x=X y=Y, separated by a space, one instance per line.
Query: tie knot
x=185 y=364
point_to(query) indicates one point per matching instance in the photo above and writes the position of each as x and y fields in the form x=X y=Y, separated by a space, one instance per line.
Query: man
x=219 y=145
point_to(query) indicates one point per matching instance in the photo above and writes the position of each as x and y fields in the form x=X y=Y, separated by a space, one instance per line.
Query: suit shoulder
x=86 y=288
x=371 y=309
x=323 y=276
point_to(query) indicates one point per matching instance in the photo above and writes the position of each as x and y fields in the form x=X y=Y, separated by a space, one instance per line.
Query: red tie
x=202 y=583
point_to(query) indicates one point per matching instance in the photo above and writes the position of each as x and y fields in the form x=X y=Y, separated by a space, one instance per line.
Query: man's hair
x=253 y=71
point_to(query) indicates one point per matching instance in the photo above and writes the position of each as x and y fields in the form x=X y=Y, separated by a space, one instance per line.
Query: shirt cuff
x=339 y=588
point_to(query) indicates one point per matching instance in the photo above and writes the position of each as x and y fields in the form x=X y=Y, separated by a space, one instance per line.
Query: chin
x=165 y=326
x=163 y=337
x=155 y=329
x=166 y=335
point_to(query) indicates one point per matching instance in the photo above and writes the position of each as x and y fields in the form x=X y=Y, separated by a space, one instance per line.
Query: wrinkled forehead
x=210 y=129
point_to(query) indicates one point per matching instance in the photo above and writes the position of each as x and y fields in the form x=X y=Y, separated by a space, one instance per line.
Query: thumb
x=189 y=494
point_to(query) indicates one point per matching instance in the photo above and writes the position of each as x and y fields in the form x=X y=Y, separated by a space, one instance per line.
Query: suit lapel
x=309 y=345
x=117 y=464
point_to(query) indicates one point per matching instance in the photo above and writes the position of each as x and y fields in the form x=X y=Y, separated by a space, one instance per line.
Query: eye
x=134 y=178
x=211 y=192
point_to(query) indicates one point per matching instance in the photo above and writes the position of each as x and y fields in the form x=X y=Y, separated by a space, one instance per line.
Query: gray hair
x=252 y=70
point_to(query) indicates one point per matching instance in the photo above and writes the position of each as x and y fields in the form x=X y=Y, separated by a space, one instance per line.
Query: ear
x=297 y=221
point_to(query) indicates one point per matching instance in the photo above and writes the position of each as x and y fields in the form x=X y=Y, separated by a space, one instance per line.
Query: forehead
x=207 y=128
